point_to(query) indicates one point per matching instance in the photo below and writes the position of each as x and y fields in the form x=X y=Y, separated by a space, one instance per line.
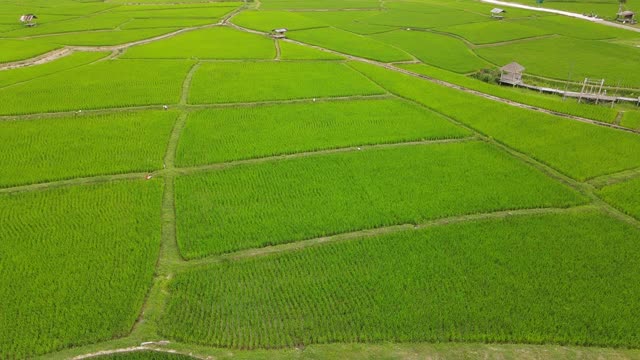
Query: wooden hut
x=511 y=74
x=498 y=13
x=28 y=19
x=626 y=17
x=279 y=33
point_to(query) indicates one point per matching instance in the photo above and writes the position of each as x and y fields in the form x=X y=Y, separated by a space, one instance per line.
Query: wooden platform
x=575 y=95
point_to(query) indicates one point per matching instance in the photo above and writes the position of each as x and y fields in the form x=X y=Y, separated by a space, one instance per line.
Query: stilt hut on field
x=28 y=19
x=498 y=13
x=511 y=74
x=279 y=33
x=626 y=17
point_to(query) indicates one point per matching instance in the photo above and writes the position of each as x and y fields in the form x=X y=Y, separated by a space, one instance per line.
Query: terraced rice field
x=176 y=183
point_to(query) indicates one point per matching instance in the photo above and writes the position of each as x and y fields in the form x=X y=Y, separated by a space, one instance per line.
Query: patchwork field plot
x=284 y=129
x=72 y=276
x=559 y=56
x=177 y=176
x=624 y=196
x=268 y=20
x=13 y=76
x=571 y=147
x=116 y=83
x=353 y=21
x=108 y=37
x=524 y=96
x=253 y=206
x=422 y=45
x=52 y=149
x=14 y=50
x=424 y=20
x=495 y=31
x=290 y=51
x=350 y=43
x=214 y=43
x=492 y=280
x=223 y=82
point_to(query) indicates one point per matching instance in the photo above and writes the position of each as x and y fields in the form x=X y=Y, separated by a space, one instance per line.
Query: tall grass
x=219 y=135
x=76 y=264
x=562 y=279
x=577 y=149
x=62 y=148
x=285 y=201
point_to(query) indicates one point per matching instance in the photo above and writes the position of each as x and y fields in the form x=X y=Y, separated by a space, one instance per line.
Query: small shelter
x=279 y=33
x=511 y=74
x=626 y=17
x=27 y=19
x=498 y=13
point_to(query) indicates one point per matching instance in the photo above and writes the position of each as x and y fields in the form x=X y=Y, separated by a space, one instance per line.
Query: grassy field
x=550 y=102
x=33 y=151
x=509 y=280
x=71 y=276
x=14 y=50
x=495 y=31
x=75 y=60
x=213 y=43
x=569 y=146
x=117 y=83
x=350 y=43
x=266 y=21
x=285 y=201
x=624 y=196
x=289 y=51
x=276 y=81
x=360 y=189
x=287 y=129
x=145 y=355
x=457 y=58
x=564 y=58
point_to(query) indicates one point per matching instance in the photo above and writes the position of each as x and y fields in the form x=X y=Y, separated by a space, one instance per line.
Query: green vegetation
x=225 y=82
x=561 y=57
x=631 y=119
x=362 y=188
x=285 y=201
x=524 y=96
x=8 y=77
x=563 y=278
x=108 y=37
x=290 y=51
x=145 y=355
x=14 y=50
x=319 y=4
x=116 y=83
x=76 y=264
x=61 y=148
x=350 y=43
x=214 y=43
x=624 y=196
x=420 y=44
x=423 y=20
x=220 y=135
x=268 y=20
x=495 y=31
x=571 y=147
x=353 y=21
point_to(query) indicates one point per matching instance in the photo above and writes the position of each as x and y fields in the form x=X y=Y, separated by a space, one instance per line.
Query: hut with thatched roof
x=511 y=73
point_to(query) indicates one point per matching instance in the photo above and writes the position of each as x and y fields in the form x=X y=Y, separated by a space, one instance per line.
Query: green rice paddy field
x=176 y=183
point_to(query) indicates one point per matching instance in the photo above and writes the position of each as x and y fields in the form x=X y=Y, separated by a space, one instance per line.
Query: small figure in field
x=165 y=107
